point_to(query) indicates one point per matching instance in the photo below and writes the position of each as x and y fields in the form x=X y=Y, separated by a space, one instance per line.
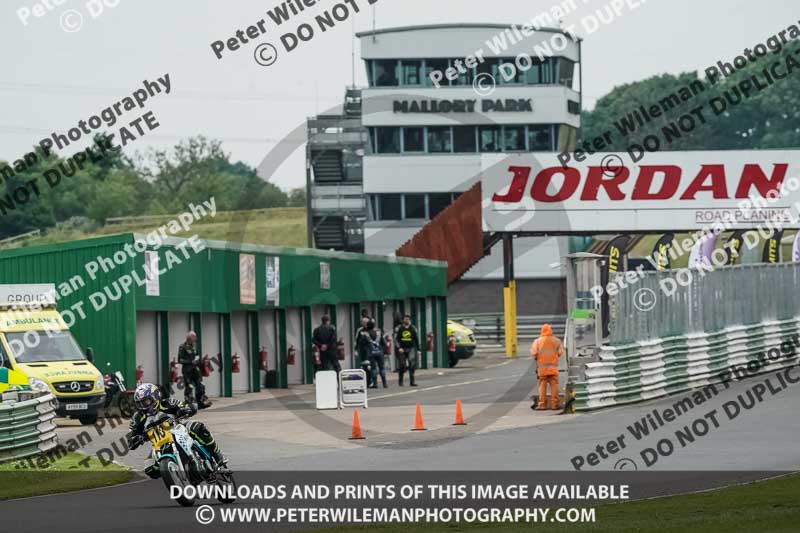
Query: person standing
x=406 y=340
x=547 y=349
x=370 y=348
x=324 y=338
x=194 y=391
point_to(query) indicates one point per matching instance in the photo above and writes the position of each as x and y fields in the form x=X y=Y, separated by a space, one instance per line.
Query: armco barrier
x=26 y=427
x=662 y=367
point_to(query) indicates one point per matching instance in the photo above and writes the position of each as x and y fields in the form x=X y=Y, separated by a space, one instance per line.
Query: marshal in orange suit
x=547 y=349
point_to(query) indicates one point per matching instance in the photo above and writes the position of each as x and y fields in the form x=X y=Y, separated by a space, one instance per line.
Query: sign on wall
x=151 y=286
x=324 y=276
x=274 y=281
x=247 y=279
x=664 y=191
x=31 y=293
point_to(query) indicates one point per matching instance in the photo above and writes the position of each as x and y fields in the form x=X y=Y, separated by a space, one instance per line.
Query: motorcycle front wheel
x=172 y=474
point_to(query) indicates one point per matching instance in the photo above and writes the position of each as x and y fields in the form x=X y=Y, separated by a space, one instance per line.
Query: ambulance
x=35 y=342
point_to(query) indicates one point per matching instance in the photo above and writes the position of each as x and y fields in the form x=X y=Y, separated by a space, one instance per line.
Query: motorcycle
x=179 y=460
x=117 y=395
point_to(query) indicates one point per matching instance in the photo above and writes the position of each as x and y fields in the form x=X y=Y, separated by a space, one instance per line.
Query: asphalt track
x=759 y=442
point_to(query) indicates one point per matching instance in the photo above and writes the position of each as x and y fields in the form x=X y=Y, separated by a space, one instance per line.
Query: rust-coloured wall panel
x=455 y=235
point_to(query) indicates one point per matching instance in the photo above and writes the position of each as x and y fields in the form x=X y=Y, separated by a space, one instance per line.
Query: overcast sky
x=51 y=79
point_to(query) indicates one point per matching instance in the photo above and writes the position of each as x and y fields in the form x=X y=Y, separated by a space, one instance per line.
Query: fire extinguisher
x=451 y=345
x=173 y=371
x=139 y=374
x=430 y=341
x=206 y=366
x=264 y=356
x=290 y=353
x=236 y=366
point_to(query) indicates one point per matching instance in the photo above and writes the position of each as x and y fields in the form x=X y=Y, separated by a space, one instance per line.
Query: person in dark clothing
x=149 y=402
x=189 y=358
x=406 y=341
x=370 y=347
x=324 y=337
x=397 y=319
x=363 y=357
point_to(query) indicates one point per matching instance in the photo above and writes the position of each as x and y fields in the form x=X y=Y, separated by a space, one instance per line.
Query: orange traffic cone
x=459 y=415
x=418 y=425
x=356 y=428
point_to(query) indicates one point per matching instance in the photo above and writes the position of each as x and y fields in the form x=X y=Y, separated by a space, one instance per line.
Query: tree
x=766 y=119
x=297 y=197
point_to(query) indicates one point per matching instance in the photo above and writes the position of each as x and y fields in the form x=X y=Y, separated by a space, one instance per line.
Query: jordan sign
x=664 y=192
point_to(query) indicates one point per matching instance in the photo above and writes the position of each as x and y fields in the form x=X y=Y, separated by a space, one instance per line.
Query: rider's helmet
x=146 y=398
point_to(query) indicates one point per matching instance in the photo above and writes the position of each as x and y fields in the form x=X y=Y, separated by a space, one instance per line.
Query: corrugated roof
x=124 y=238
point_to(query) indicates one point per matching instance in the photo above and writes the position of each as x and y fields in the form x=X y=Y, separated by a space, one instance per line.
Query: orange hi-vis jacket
x=547 y=349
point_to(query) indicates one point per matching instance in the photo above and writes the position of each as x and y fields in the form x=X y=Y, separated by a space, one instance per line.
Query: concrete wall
x=534 y=297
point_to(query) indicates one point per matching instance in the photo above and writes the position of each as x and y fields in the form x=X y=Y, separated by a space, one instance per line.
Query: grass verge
x=767 y=506
x=284 y=226
x=63 y=475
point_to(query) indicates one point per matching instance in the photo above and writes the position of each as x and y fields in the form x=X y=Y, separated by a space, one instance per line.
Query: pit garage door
x=294 y=338
x=211 y=346
x=146 y=347
x=266 y=335
x=345 y=332
x=240 y=345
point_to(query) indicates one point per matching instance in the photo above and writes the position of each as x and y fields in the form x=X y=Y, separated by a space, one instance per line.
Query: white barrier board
x=327 y=389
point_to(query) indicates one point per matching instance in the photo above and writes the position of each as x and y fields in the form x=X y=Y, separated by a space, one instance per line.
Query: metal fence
x=686 y=301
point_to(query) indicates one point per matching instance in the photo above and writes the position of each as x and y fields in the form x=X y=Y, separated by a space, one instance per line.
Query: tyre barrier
x=26 y=425
x=632 y=373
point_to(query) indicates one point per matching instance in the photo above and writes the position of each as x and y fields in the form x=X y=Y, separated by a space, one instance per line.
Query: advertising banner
x=274 y=281
x=663 y=191
x=247 y=279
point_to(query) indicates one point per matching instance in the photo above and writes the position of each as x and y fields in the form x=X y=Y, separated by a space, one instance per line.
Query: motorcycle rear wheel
x=172 y=475
x=126 y=405
x=227 y=480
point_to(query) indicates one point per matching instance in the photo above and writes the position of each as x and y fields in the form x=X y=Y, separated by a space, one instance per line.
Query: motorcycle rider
x=148 y=401
x=406 y=339
x=190 y=361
